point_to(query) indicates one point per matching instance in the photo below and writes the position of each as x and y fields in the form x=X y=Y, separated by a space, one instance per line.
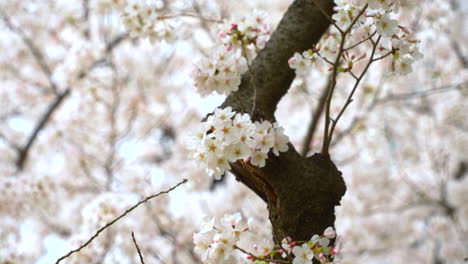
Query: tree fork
x=301 y=193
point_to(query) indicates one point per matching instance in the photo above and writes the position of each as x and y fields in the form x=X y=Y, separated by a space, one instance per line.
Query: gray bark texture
x=301 y=192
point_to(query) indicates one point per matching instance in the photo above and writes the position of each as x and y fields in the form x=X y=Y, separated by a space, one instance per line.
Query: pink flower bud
x=406 y=30
x=334 y=251
x=222 y=34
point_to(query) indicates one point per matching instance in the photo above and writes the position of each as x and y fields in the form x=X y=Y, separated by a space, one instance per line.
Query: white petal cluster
x=102 y=6
x=227 y=136
x=406 y=52
x=217 y=238
x=386 y=26
x=142 y=20
x=220 y=73
x=252 y=32
x=299 y=63
x=378 y=19
x=318 y=247
x=16 y=191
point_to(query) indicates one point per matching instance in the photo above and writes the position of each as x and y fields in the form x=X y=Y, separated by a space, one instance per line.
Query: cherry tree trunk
x=301 y=192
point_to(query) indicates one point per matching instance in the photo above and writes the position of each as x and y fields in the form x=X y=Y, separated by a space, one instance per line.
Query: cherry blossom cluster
x=227 y=136
x=360 y=22
x=251 y=32
x=106 y=5
x=220 y=73
x=217 y=239
x=317 y=247
x=16 y=191
x=302 y=252
x=142 y=20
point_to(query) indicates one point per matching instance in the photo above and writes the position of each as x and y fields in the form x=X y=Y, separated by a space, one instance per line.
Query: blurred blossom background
x=95 y=113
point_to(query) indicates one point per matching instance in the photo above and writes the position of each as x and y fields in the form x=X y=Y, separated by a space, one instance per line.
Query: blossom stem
x=259 y=258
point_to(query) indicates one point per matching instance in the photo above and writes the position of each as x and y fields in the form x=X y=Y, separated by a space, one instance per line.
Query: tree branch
x=422 y=93
x=395 y=97
x=24 y=151
x=315 y=118
x=102 y=229
x=301 y=193
x=302 y=26
x=138 y=249
x=37 y=54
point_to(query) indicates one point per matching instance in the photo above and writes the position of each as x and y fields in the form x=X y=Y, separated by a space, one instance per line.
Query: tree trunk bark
x=301 y=193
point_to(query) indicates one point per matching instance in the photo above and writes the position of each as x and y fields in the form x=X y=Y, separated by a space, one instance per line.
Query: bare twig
x=423 y=93
x=85 y=18
x=350 y=96
x=100 y=230
x=259 y=258
x=325 y=14
x=138 y=249
x=383 y=56
x=396 y=97
x=190 y=15
x=315 y=118
x=34 y=50
x=326 y=133
x=458 y=51
x=203 y=22
x=24 y=151
x=8 y=142
x=361 y=41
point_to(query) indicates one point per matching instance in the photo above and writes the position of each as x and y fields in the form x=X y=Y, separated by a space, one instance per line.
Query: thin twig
x=138 y=249
x=37 y=54
x=190 y=15
x=422 y=93
x=383 y=56
x=325 y=14
x=396 y=97
x=100 y=230
x=326 y=139
x=350 y=97
x=259 y=258
x=24 y=151
x=360 y=42
x=203 y=22
x=85 y=18
x=315 y=118
x=60 y=97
